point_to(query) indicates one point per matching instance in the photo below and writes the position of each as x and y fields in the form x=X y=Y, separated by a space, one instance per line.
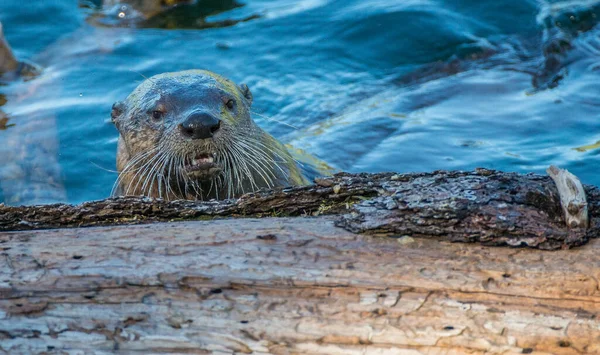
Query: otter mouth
x=202 y=166
x=201 y=162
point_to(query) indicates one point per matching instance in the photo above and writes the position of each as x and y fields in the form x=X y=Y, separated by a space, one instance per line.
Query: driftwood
x=325 y=283
x=8 y=62
x=485 y=206
x=289 y=286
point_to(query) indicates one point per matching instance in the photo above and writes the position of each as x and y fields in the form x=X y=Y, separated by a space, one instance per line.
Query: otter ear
x=117 y=111
x=246 y=92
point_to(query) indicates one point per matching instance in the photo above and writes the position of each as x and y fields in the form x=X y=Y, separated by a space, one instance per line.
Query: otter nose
x=200 y=126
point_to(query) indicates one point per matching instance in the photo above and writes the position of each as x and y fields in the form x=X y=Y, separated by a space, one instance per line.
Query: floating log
x=355 y=264
x=485 y=206
x=289 y=286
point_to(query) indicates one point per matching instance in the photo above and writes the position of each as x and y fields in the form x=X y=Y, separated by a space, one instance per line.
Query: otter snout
x=199 y=125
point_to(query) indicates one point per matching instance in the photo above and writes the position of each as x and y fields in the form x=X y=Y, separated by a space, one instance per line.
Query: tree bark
x=490 y=207
x=289 y=286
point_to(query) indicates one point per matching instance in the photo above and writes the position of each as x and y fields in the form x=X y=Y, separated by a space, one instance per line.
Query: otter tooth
x=202 y=161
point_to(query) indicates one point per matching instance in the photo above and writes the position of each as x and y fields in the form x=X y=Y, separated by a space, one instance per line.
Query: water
x=406 y=85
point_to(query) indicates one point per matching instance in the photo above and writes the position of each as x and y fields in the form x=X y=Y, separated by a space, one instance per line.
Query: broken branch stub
x=572 y=197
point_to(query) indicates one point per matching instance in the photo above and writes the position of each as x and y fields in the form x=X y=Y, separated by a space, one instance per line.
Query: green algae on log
x=486 y=206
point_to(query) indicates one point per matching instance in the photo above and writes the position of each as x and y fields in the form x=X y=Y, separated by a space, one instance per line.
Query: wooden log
x=8 y=62
x=10 y=67
x=490 y=207
x=289 y=286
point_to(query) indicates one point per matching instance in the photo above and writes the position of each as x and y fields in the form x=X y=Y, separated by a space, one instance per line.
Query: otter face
x=191 y=132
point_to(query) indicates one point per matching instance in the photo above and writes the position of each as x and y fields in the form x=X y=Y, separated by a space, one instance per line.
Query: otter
x=189 y=135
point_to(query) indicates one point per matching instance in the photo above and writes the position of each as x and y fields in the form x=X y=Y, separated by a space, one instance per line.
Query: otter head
x=190 y=133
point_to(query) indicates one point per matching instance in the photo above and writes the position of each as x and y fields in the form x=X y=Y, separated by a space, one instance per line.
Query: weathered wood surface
x=289 y=286
x=484 y=206
x=572 y=197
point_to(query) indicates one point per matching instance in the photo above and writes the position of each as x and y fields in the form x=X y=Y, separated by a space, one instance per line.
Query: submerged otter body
x=189 y=135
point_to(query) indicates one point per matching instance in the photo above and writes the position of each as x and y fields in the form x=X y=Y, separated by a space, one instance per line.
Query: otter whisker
x=258 y=167
x=161 y=181
x=194 y=185
x=102 y=168
x=144 y=172
x=217 y=181
x=242 y=163
x=257 y=153
x=155 y=86
x=262 y=147
x=157 y=174
x=261 y=161
x=134 y=161
x=235 y=172
x=212 y=185
x=197 y=189
x=272 y=151
x=216 y=189
x=230 y=171
x=128 y=167
x=149 y=176
x=273 y=119
x=160 y=176
x=168 y=185
x=149 y=173
x=238 y=170
x=252 y=161
x=178 y=166
x=159 y=187
x=184 y=178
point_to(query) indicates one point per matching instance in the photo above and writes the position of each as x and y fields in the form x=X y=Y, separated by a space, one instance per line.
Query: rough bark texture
x=289 y=286
x=484 y=206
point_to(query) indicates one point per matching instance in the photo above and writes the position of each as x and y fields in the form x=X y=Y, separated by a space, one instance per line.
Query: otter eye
x=230 y=104
x=157 y=115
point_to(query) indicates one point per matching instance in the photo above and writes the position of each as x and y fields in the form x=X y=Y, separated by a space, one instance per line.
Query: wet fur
x=152 y=154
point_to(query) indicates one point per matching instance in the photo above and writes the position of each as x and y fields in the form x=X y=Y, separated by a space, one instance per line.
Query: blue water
x=406 y=85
